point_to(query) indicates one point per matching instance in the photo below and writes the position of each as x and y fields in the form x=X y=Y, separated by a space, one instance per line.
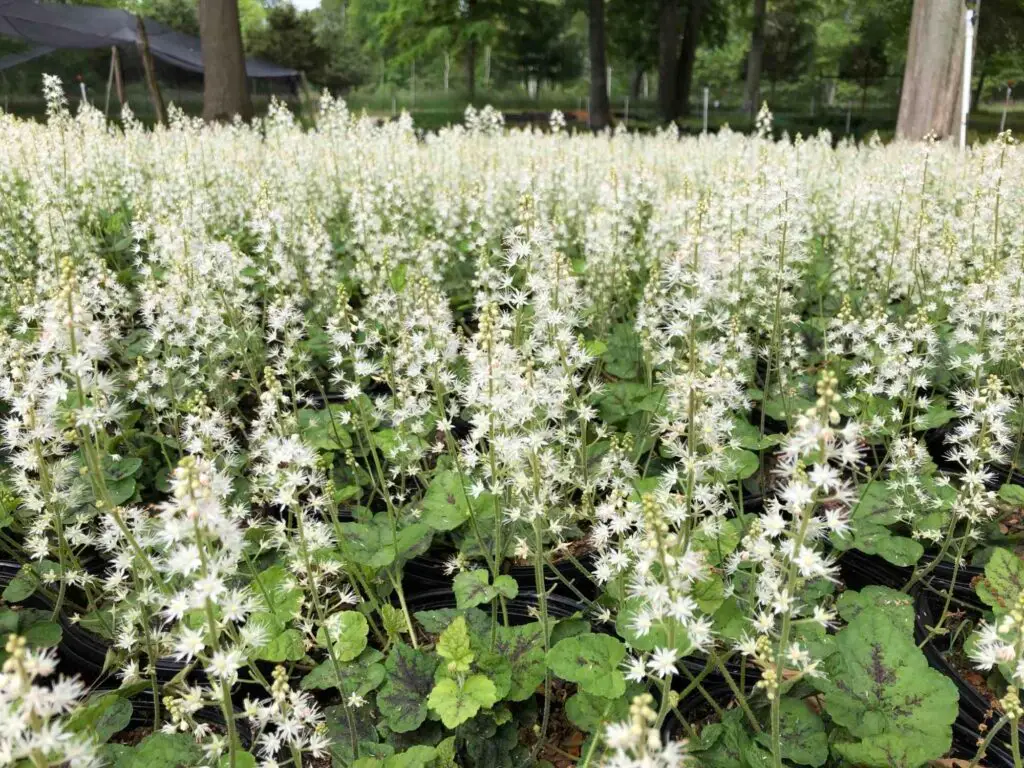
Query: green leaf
x=446 y=505
x=592 y=662
x=43 y=634
x=622 y=359
x=279 y=593
x=874 y=539
x=457 y=703
x=453 y=646
x=360 y=676
x=1012 y=494
x=376 y=545
x=936 y=415
x=436 y=621
x=21 y=586
x=1003 y=582
x=589 y=713
x=897 y=710
x=102 y=717
x=284 y=646
x=472 y=588
x=121 y=490
x=803 y=734
x=322 y=428
x=523 y=647
x=895 y=604
x=162 y=750
x=348 y=631
x=402 y=700
x=740 y=464
x=242 y=760
x=115 y=471
x=507 y=587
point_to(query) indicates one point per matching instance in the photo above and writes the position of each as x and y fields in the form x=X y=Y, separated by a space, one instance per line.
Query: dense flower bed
x=359 y=446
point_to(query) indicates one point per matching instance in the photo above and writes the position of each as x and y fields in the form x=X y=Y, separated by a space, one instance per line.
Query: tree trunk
x=638 y=81
x=931 y=80
x=752 y=88
x=225 y=87
x=600 y=109
x=688 y=55
x=668 y=53
x=471 y=69
x=982 y=74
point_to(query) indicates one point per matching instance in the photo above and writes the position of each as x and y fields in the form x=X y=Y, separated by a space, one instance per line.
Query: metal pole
x=965 y=95
x=609 y=82
x=1006 y=106
x=707 y=92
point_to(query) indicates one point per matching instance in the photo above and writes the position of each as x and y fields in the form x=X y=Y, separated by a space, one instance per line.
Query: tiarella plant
x=356 y=445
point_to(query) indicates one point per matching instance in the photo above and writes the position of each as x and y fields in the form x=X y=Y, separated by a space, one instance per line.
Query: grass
x=432 y=110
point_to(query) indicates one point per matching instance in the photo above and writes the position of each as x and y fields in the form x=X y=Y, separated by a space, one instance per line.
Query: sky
x=305 y=5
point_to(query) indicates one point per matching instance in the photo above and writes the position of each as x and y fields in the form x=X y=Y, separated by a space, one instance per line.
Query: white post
x=965 y=99
x=81 y=87
x=707 y=92
x=447 y=69
x=394 y=106
x=849 y=109
x=647 y=86
x=487 y=66
x=1006 y=106
x=609 y=83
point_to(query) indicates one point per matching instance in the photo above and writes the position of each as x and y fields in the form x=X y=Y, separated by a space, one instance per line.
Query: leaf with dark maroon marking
x=1004 y=579
x=403 y=699
x=898 y=712
x=523 y=646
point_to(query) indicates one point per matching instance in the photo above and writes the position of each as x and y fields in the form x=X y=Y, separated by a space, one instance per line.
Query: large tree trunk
x=638 y=81
x=691 y=39
x=471 y=69
x=471 y=53
x=668 y=51
x=225 y=87
x=600 y=109
x=752 y=88
x=931 y=81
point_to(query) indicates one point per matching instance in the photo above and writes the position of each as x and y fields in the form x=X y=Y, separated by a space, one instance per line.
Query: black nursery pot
x=521 y=609
x=974 y=707
x=82 y=652
x=426 y=572
x=142 y=716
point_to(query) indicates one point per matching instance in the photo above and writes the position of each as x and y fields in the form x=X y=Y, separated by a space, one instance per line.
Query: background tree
x=424 y=27
x=535 y=41
x=225 y=86
x=632 y=29
x=600 y=106
x=289 y=38
x=755 y=59
x=931 y=79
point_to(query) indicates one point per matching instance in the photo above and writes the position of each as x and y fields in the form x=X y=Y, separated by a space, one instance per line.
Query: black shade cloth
x=51 y=26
